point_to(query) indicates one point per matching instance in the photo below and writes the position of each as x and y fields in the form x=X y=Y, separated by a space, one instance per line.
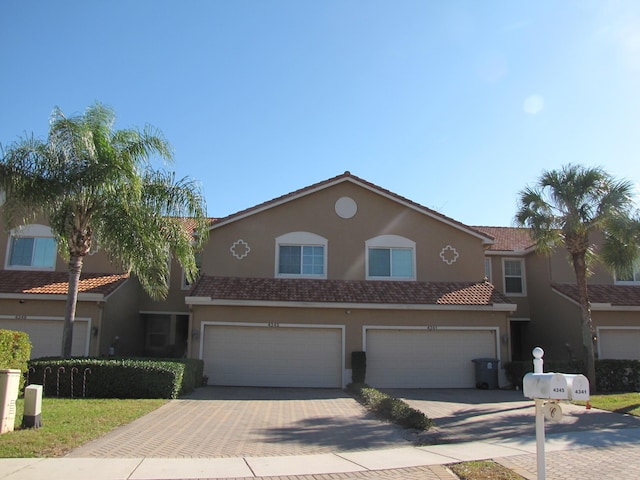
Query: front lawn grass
x=68 y=423
x=618 y=402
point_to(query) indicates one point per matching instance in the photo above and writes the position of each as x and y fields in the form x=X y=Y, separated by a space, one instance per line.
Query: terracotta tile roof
x=616 y=295
x=509 y=239
x=343 y=291
x=190 y=223
x=56 y=283
x=347 y=176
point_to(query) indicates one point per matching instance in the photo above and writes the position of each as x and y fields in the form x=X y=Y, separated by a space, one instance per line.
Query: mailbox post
x=547 y=389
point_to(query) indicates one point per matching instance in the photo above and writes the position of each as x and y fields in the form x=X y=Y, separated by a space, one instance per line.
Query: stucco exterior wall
x=352 y=319
x=315 y=213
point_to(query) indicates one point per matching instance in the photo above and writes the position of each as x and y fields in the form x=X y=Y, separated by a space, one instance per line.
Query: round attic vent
x=346 y=207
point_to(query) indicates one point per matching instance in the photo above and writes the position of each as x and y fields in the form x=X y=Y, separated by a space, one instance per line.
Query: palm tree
x=565 y=208
x=96 y=187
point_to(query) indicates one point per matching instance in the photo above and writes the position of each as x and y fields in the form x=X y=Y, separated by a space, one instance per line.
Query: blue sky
x=457 y=105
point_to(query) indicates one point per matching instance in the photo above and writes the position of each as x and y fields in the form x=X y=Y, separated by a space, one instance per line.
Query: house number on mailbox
x=273 y=324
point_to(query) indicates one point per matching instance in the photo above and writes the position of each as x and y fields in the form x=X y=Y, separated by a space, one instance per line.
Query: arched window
x=391 y=257
x=301 y=255
x=31 y=247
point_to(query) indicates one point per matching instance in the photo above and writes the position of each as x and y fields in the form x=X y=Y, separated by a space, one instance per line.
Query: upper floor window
x=487 y=269
x=390 y=257
x=301 y=254
x=31 y=247
x=513 y=276
x=632 y=278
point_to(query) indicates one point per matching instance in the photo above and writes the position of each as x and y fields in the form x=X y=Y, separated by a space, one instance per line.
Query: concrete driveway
x=237 y=421
x=462 y=415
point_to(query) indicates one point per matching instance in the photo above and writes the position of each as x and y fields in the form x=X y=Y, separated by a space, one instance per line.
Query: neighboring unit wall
x=38 y=317
x=121 y=326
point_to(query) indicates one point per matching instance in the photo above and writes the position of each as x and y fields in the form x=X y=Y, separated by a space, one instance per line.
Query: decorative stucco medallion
x=449 y=255
x=240 y=249
x=346 y=207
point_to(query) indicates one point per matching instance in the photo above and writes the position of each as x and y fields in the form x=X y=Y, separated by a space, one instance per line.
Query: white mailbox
x=578 y=386
x=545 y=386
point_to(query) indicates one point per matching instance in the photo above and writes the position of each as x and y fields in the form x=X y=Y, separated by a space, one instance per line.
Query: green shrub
x=390 y=408
x=115 y=378
x=15 y=350
x=618 y=376
x=358 y=367
x=611 y=375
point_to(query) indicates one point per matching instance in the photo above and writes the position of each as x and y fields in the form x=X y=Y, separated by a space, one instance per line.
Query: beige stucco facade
x=441 y=301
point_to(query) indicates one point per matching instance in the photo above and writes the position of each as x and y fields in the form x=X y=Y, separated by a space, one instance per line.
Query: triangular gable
x=347 y=176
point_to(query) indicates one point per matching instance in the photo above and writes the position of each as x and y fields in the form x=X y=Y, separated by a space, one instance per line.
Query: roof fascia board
x=566 y=297
x=106 y=297
x=485 y=239
x=353 y=306
x=82 y=297
x=607 y=307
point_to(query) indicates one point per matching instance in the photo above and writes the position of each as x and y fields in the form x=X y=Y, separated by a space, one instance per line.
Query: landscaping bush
x=358 y=367
x=618 y=376
x=612 y=376
x=15 y=350
x=390 y=408
x=115 y=378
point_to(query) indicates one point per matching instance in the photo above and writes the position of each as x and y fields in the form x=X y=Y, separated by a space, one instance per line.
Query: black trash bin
x=486 y=373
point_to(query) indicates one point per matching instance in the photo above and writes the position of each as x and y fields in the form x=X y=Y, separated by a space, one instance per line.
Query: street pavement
x=301 y=434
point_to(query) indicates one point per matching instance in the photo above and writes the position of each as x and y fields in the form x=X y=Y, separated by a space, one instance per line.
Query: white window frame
x=488 y=271
x=34 y=231
x=523 y=277
x=636 y=276
x=391 y=242
x=301 y=239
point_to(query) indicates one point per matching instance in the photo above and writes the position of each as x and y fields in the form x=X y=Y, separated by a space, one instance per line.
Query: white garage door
x=426 y=359
x=272 y=356
x=46 y=335
x=619 y=344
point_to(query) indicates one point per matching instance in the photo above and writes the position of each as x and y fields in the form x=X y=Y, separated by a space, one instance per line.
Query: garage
x=45 y=335
x=273 y=355
x=426 y=358
x=620 y=343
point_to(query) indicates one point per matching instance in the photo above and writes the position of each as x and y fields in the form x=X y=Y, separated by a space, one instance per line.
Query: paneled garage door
x=619 y=344
x=46 y=335
x=282 y=356
x=412 y=358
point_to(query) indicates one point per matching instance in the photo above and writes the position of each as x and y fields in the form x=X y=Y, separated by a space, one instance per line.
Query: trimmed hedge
x=15 y=350
x=618 y=375
x=390 y=408
x=611 y=375
x=116 y=378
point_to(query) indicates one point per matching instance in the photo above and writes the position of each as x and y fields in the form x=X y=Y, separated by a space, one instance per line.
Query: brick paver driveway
x=236 y=421
x=467 y=415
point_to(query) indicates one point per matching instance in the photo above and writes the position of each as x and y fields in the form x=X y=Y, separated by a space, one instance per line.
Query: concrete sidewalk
x=613 y=453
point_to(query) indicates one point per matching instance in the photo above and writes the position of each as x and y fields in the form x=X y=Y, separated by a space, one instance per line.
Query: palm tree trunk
x=75 y=268
x=580 y=268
